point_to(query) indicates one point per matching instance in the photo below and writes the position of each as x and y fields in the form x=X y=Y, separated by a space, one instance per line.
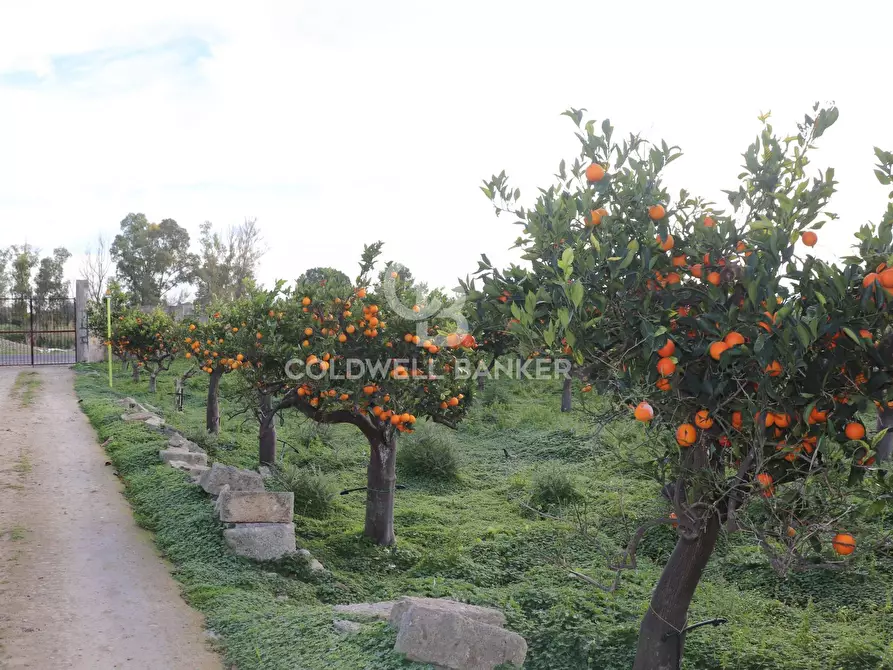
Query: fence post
x=81 y=338
x=31 y=329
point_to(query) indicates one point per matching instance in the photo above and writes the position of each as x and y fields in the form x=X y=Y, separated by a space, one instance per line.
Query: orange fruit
x=709 y=222
x=764 y=479
x=870 y=279
x=733 y=339
x=815 y=416
x=865 y=333
x=703 y=419
x=679 y=261
x=782 y=420
x=737 y=420
x=667 y=243
x=595 y=216
x=657 y=212
x=586 y=389
x=673 y=278
x=673 y=516
x=774 y=369
x=697 y=270
x=305 y=301
x=686 y=435
x=667 y=349
x=844 y=544
x=854 y=430
x=716 y=350
x=714 y=278
x=663 y=384
x=666 y=366
x=809 y=238
x=595 y=172
x=343 y=396
x=791 y=532
x=453 y=340
x=452 y=402
x=369 y=389
x=644 y=412
x=886 y=278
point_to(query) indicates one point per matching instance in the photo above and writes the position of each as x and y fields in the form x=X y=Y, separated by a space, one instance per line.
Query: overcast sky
x=341 y=122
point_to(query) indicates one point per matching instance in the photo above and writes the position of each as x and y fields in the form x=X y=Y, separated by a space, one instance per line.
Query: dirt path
x=80 y=585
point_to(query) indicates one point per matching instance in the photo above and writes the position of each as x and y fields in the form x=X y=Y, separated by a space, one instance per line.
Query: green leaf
x=564 y=316
x=853 y=336
x=576 y=294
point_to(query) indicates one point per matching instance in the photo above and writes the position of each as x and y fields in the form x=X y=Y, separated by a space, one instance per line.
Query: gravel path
x=80 y=585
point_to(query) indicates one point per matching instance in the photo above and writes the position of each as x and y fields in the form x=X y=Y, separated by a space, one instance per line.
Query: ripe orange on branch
x=657 y=212
x=686 y=435
x=644 y=412
x=809 y=238
x=844 y=544
x=595 y=173
x=716 y=350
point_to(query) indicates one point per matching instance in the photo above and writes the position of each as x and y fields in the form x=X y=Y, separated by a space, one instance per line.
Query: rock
x=193 y=470
x=380 y=610
x=177 y=441
x=264 y=471
x=226 y=475
x=315 y=566
x=447 y=639
x=183 y=456
x=154 y=422
x=347 y=627
x=130 y=403
x=261 y=541
x=138 y=416
x=486 y=615
x=256 y=507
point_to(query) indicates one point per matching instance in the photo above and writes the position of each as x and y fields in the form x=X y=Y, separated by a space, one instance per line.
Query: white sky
x=342 y=122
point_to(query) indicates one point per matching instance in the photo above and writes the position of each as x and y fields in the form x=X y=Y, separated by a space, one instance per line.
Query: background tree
x=96 y=268
x=23 y=259
x=50 y=283
x=750 y=360
x=226 y=263
x=405 y=376
x=4 y=272
x=151 y=339
x=330 y=278
x=152 y=258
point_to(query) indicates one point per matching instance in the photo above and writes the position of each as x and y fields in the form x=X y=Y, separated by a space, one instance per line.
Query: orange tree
x=749 y=359
x=230 y=338
x=344 y=355
x=151 y=339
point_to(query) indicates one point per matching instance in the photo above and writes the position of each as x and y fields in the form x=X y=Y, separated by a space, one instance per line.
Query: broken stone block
x=184 y=456
x=347 y=627
x=380 y=610
x=261 y=541
x=256 y=507
x=219 y=476
x=154 y=422
x=194 y=471
x=138 y=416
x=447 y=639
x=486 y=615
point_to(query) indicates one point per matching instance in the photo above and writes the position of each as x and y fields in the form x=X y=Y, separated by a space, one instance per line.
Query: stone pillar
x=82 y=336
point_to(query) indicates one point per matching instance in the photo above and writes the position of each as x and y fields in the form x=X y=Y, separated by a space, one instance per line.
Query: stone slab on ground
x=138 y=416
x=184 y=456
x=261 y=541
x=177 y=441
x=380 y=610
x=447 y=639
x=256 y=507
x=219 y=476
x=347 y=627
x=193 y=470
x=315 y=566
x=154 y=422
x=486 y=615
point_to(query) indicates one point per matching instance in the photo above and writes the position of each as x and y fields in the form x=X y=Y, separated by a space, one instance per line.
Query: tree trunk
x=481 y=384
x=136 y=372
x=885 y=446
x=669 y=604
x=212 y=414
x=267 y=437
x=124 y=365
x=153 y=377
x=381 y=483
x=566 y=395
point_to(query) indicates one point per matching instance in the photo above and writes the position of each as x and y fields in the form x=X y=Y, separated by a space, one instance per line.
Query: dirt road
x=80 y=585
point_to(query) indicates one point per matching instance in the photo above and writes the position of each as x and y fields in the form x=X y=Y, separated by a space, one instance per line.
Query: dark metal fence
x=37 y=331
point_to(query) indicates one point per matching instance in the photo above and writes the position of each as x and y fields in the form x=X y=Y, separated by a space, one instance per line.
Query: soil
x=81 y=586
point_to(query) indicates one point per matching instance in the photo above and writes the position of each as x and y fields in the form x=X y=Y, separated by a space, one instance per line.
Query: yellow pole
x=109 y=322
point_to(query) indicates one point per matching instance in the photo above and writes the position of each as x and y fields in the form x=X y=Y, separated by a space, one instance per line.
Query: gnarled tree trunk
x=136 y=371
x=566 y=395
x=668 y=611
x=381 y=484
x=267 y=437
x=212 y=413
x=885 y=446
x=153 y=379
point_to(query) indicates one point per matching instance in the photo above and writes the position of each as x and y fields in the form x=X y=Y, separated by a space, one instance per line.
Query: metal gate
x=37 y=331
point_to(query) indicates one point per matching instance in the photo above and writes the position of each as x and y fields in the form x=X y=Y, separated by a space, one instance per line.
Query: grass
x=475 y=538
x=26 y=386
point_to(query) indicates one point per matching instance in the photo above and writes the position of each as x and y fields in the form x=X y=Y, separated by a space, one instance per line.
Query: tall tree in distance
x=24 y=258
x=50 y=283
x=96 y=268
x=226 y=261
x=152 y=258
x=4 y=272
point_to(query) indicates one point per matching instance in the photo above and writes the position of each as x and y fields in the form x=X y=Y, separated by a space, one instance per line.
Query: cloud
x=346 y=122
